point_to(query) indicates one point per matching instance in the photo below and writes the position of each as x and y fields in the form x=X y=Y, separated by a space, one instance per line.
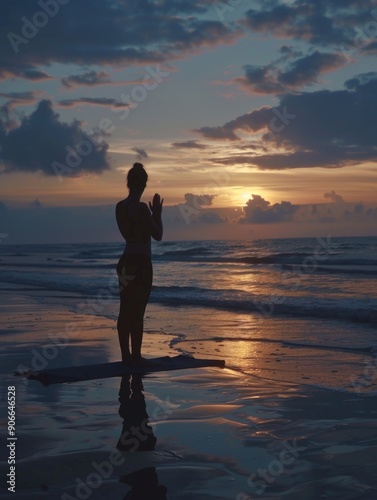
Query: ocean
x=298 y=310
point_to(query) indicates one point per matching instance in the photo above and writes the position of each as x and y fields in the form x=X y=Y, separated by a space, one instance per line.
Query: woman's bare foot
x=138 y=360
x=127 y=359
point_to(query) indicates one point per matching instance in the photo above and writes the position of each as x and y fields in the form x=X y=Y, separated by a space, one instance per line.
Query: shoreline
x=220 y=434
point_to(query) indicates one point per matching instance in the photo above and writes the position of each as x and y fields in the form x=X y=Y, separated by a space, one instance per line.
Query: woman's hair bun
x=137 y=177
x=138 y=166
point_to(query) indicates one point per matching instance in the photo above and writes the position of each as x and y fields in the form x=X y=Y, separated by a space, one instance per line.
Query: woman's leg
x=136 y=329
x=125 y=309
x=135 y=281
x=143 y=287
x=124 y=329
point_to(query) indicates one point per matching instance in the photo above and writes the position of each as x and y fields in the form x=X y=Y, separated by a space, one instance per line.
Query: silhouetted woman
x=137 y=225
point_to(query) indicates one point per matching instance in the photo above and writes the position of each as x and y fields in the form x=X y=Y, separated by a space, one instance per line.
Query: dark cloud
x=223 y=132
x=209 y=217
x=359 y=214
x=189 y=145
x=112 y=32
x=358 y=208
x=24 y=97
x=60 y=224
x=199 y=200
x=365 y=82
x=141 y=153
x=91 y=78
x=322 y=23
x=305 y=70
x=16 y=99
x=260 y=211
x=34 y=75
x=93 y=101
x=372 y=214
x=7 y=119
x=194 y=211
x=336 y=198
x=23 y=70
x=261 y=80
x=319 y=129
x=40 y=142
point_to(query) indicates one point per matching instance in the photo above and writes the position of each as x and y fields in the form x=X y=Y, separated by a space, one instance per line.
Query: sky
x=254 y=119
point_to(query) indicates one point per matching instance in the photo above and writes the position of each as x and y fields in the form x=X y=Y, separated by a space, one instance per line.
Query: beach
x=220 y=433
x=211 y=164
x=292 y=414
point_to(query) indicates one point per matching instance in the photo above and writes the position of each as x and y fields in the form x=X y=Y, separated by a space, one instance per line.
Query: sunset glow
x=241 y=105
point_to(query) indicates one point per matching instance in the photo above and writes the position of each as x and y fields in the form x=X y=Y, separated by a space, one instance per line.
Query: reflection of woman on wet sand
x=137 y=225
x=137 y=435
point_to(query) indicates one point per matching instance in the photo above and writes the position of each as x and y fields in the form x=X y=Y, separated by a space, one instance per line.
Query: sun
x=240 y=195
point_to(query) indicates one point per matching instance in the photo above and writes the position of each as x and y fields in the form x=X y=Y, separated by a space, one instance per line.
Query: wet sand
x=211 y=434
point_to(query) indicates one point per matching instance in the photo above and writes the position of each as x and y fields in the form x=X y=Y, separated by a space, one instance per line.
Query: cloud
x=141 y=153
x=199 y=200
x=260 y=211
x=365 y=82
x=7 y=118
x=194 y=211
x=360 y=213
x=23 y=70
x=305 y=70
x=325 y=128
x=41 y=141
x=90 y=78
x=93 y=101
x=261 y=80
x=134 y=33
x=19 y=98
x=210 y=217
x=189 y=145
x=222 y=132
x=325 y=23
x=336 y=198
x=372 y=214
